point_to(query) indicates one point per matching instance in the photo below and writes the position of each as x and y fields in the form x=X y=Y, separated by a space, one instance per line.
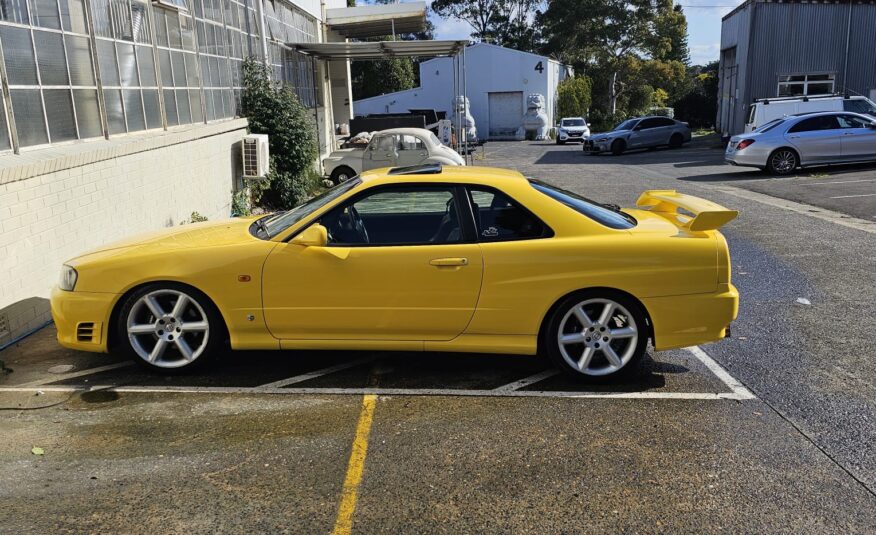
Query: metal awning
x=380 y=49
x=377 y=20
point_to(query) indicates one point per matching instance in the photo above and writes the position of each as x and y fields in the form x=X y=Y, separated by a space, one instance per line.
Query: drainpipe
x=848 y=40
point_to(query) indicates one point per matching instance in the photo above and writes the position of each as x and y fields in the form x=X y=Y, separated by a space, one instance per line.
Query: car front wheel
x=618 y=147
x=169 y=328
x=783 y=162
x=596 y=334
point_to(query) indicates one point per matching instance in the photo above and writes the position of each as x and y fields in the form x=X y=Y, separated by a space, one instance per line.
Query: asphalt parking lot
x=770 y=431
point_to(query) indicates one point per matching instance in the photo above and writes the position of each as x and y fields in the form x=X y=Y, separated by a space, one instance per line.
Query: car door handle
x=848 y=133
x=794 y=137
x=444 y=262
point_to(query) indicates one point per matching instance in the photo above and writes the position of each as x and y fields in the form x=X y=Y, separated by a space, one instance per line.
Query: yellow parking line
x=344 y=521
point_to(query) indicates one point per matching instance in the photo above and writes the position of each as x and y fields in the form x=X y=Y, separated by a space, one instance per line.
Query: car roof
x=410 y=131
x=448 y=173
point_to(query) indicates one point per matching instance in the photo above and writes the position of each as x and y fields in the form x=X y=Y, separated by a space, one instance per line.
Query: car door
x=412 y=150
x=663 y=130
x=381 y=152
x=398 y=266
x=645 y=133
x=859 y=137
x=817 y=139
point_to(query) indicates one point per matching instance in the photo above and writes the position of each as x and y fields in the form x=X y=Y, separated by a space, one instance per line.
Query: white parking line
x=314 y=374
x=831 y=182
x=850 y=196
x=722 y=374
x=526 y=381
x=389 y=392
x=73 y=375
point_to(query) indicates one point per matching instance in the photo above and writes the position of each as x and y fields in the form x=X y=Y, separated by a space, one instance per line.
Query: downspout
x=848 y=40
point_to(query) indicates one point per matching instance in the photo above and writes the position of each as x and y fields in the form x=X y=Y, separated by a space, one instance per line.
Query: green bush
x=574 y=97
x=274 y=109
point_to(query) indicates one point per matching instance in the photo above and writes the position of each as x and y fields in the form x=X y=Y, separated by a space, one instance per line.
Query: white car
x=396 y=147
x=763 y=111
x=572 y=129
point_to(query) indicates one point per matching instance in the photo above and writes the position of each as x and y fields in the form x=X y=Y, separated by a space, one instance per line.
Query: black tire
x=341 y=174
x=207 y=351
x=675 y=141
x=560 y=142
x=599 y=366
x=618 y=146
x=783 y=161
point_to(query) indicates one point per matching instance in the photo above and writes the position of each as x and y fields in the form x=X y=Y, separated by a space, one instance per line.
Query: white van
x=765 y=110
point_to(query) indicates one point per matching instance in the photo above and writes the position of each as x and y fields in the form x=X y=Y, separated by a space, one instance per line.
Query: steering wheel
x=358 y=224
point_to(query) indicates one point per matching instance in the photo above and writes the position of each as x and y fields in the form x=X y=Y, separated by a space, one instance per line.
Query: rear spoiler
x=705 y=215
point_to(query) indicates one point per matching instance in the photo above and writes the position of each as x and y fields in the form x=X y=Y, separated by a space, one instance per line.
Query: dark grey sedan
x=640 y=133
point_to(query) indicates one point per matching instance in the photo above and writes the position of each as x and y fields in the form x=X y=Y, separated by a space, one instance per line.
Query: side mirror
x=315 y=235
x=872 y=125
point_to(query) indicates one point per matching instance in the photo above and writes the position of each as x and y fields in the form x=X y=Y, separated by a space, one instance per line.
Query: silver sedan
x=783 y=145
x=639 y=133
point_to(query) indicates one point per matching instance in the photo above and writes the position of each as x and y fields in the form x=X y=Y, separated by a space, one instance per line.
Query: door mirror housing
x=315 y=235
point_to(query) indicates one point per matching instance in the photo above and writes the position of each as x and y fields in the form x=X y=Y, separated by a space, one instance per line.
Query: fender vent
x=85 y=332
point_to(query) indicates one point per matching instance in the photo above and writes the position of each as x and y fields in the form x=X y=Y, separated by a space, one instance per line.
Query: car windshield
x=605 y=214
x=270 y=226
x=573 y=122
x=766 y=127
x=626 y=125
x=860 y=105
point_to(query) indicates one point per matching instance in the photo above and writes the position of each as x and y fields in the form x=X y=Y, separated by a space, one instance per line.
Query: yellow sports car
x=470 y=259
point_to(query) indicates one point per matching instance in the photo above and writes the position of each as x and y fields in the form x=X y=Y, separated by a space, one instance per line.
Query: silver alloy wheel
x=597 y=337
x=783 y=161
x=168 y=328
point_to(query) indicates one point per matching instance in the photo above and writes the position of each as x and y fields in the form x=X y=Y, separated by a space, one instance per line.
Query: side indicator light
x=243 y=278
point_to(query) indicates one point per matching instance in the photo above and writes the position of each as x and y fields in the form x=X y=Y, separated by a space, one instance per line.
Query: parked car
x=390 y=148
x=783 y=145
x=763 y=111
x=395 y=260
x=639 y=133
x=572 y=129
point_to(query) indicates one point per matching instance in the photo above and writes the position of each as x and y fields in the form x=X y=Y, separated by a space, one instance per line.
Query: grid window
x=178 y=63
x=806 y=84
x=50 y=73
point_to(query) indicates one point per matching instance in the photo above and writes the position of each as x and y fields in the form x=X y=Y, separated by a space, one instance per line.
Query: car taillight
x=744 y=143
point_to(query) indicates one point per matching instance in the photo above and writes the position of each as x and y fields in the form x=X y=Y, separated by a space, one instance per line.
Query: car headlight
x=68 y=278
x=600 y=140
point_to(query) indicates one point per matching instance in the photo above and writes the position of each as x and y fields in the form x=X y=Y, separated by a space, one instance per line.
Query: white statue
x=461 y=108
x=535 y=120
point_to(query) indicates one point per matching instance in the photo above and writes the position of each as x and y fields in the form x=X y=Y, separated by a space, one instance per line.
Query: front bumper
x=689 y=320
x=82 y=318
x=593 y=146
x=572 y=136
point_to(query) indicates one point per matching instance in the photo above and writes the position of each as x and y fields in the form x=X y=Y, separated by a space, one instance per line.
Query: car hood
x=611 y=135
x=195 y=235
x=343 y=153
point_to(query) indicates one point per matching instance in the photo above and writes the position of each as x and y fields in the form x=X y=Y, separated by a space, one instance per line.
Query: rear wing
x=703 y=214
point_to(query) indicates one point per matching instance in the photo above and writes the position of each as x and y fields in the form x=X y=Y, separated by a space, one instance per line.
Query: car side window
x=409 y=142
x=822 y=122
x=850 y=121
x=407 y=215
x=384 y=144
x=647 y=124
x=665 y=121
x=500 y=218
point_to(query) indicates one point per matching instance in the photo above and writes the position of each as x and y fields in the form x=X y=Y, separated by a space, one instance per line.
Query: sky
x=703 y=23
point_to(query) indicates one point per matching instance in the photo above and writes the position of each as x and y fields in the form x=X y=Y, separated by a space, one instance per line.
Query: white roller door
x=506 y=114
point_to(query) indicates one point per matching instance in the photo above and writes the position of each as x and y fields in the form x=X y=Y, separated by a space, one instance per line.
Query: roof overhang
x=377 y=20
x=380 y=49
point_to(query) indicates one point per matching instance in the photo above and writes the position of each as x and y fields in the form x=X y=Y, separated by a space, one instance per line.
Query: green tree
x=573 y=97
x=621 y=44
x=274 y=109
x=699 y=107
x=502 y=22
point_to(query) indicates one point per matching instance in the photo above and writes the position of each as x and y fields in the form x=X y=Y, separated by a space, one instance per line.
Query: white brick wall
x=56 y=203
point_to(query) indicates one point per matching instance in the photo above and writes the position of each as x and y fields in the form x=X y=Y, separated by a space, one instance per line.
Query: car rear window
x=606 y=215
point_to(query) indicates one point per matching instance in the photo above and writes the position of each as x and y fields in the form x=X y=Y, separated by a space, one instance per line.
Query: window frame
x=793 y=130
x=468 y=234
x=785 y=80
x=548 y=232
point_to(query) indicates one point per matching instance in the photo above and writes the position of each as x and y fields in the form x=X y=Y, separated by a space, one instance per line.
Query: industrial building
x=122 y=116
x=498 y=82
x=789 y=48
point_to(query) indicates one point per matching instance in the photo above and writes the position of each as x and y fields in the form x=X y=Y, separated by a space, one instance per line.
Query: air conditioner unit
x=256 y=156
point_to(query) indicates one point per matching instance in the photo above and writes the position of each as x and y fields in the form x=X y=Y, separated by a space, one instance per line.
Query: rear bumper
x=745 y=160
x=82 y=318
x=688 y=320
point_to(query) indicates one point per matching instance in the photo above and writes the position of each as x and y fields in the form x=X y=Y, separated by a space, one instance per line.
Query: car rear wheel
x=675 y=141
x=783 y=162
x=560 y=142
x=596 y=334
x=618 y=147
x=342 y=174
x=169 y=328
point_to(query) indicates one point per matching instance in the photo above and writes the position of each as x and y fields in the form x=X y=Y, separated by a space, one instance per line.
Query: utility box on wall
x=256 y=156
